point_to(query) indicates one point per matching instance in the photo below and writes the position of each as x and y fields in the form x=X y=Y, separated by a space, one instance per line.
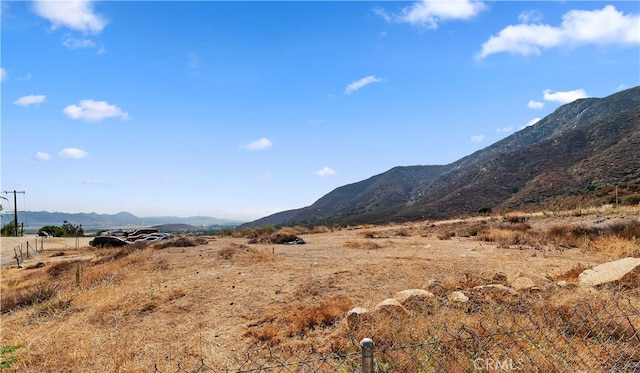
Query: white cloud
x=504 y=129
x=531 y=122
x=75 y=14
x=41 y=156
x=535 y=104
x=578 y=27
x=477 y=138
x=361 y=83
x=74 y=153
x=564 y=97
x=259 y=144
x=3 y=74
x=94 y=111
x=30 y=100
x=325 y=171
x=429 y=13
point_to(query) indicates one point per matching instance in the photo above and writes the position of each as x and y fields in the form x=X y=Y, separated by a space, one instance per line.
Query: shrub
x=484 y=210
x=29 y=297
x=186 y=241
x=631 y=200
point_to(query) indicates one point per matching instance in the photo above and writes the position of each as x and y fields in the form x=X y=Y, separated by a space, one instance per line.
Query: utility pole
x=15 y=208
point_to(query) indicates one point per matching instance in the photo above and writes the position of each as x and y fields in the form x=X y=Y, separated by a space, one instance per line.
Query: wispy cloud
x=260 y=144
x=530 y=16
x=477 y=138
x=3 y=74
x=564 y=97
x=621 y=87
x=193 y=60
x=325 y=171
x=535 y=104
x=73 y=153
x=430 y=13
x=74 y=43
x=42 y=156
x=76 y=15
x=504 y=129
x=193 y=63
x=30 y=100
x=579 y=27
x=361 y=83
x=94 y=111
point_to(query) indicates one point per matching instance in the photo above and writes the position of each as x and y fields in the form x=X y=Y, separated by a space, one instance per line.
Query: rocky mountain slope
x=584 y=146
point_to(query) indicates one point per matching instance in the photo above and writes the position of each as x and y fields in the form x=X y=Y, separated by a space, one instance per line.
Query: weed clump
x=31 y=296
x=186 y=241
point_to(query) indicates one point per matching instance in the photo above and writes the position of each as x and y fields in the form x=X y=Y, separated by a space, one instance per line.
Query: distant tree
x=66 y=230
x=9 y=229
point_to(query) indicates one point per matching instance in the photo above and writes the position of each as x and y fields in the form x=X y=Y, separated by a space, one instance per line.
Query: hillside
x=583 y=147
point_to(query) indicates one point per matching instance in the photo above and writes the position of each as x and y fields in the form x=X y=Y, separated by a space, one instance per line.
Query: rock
x=357 y=316
x=458 y=297
x=523 y=283
x=494 y=277
x=624 y=271
x=415 y=299
x=541 y=282
x=391 y=306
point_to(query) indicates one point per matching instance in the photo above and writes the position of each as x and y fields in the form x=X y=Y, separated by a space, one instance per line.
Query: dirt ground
x=8 y=245
x=201 y=297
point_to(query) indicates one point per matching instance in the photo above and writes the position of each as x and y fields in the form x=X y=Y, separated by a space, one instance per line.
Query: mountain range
x=583 y=148
x=38 y=219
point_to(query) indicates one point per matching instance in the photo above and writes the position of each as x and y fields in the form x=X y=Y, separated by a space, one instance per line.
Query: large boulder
x=391 y=306
x=358 y=316
x=415 y=299
x=624 y=272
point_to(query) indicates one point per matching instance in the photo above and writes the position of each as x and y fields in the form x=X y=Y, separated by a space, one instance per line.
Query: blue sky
x=242 y=109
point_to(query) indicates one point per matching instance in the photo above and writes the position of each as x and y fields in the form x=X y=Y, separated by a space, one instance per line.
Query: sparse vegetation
x=216 y=297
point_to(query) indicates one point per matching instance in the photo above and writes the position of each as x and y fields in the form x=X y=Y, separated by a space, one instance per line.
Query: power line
x=15 y=207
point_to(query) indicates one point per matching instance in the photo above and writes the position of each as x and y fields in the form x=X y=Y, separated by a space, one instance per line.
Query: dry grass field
x=168 y=308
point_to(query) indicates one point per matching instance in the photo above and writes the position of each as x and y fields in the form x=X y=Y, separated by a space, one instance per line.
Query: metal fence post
x=367 y=355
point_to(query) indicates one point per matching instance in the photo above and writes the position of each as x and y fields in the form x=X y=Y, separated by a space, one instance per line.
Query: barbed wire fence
x=585 y=338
